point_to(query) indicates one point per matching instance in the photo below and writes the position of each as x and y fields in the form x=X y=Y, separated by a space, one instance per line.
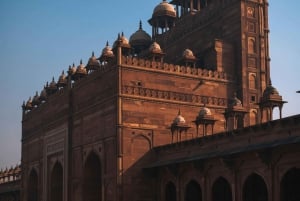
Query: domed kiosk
x=140 y=40
x=163 y=18
x=178 y=127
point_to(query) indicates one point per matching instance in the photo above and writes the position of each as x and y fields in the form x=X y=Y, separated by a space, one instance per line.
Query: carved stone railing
x=176 y=69
x=173 y=96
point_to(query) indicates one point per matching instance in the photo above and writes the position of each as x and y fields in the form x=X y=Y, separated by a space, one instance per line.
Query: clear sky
x=39 y=39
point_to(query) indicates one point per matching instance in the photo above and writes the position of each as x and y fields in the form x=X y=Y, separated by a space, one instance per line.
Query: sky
x=40 y=38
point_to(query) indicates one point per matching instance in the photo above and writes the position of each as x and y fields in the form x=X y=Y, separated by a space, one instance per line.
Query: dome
x=62 y=80
x=107 y=53
x=270 y=90
x=93 y=63
x=179 y=119
x=140 y=38
x=164 y=8
x=43 y=95
x=122 y=41
x=188 y=54
x=204 y=112
x=155 y=48
x=28 y=105
x=81 y=69
x=52 y=85
x=36 y=99
x=72 y=70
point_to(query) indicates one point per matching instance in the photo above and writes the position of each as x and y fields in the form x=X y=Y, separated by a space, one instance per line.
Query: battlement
x=10 y=175
x=162 y=67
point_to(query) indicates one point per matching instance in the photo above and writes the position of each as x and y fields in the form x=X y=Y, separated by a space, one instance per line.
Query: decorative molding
x=173 y=96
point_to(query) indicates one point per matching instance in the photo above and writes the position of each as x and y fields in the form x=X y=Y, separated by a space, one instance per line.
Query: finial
x=270 y=82
x=93 y=54
x=122 y=34
x=141 y=28
x=80 y=61
x=63 y=72
x=53 y=79
x=107 y=44
x=119 y=36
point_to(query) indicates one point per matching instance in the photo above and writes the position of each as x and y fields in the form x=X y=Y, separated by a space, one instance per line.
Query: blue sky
x=39 y=39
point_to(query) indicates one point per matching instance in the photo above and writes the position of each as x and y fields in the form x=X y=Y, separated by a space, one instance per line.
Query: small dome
x=122 y=41
x=204 y=112
x=52 y=85
x=140 y=38
x=36 y=99
x=107 y=51
x=188 y=54
x=179 y=119
x=270 y=90
x=28 y=105
x=155 y=48
x=81 y=69
x=62 y=80
x=43 y=95
x=93 y=63
x=72 y=70
x=163 y=9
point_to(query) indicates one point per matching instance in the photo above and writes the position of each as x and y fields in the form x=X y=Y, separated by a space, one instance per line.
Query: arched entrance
x=56 y=187
x=193 y=192
x=290 y=186
x=255 y=189
x=170 y=192
x=221 y=190
x=92 y=179
x=33 y=186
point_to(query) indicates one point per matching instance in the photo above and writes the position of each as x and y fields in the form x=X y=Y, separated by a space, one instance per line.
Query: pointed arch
x=252 y=81
x=290 y=185
x=193 y=191
x=221 y=190
x=92 y=180
x=33 y=186
x=170 y=192
x=255 y=189
x=251 y=45
x=140 y=144
x=56 y=183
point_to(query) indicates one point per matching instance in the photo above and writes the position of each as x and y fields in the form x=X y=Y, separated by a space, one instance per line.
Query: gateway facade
x=113 y=129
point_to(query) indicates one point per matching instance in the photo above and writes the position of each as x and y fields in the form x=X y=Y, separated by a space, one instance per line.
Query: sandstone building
x=184 y=114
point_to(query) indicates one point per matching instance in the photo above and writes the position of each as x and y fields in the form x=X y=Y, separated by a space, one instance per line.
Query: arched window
x=33 y=186
x=290 y=186
x=56 y=187
x=221 y=190
x=170 y=192
x=252 y=81
x=251 y=45
x=92 y=183
x=193 y=192
x=255 y=189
